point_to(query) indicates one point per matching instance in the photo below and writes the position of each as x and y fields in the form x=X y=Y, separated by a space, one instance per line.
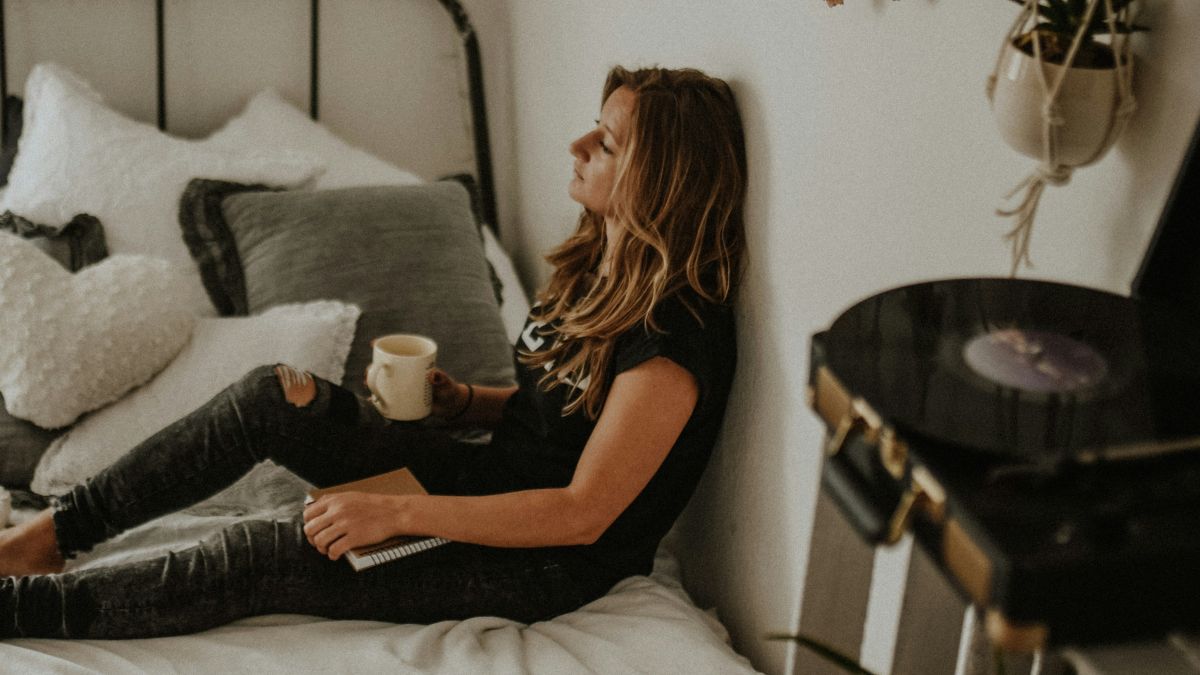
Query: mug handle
x=372 y=376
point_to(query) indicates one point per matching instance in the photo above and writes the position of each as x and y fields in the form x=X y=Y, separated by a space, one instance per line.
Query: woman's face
x=598 y=153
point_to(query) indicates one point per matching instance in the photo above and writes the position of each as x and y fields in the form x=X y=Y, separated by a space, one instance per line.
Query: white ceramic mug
x=398 y=376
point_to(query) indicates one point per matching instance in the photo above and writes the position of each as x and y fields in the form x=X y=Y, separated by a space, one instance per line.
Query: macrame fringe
x=1033 y=185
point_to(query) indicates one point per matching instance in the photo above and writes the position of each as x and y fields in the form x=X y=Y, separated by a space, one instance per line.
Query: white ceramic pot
x=1087 y=103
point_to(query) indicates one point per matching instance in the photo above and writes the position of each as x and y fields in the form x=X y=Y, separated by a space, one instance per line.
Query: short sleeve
x=694 y=343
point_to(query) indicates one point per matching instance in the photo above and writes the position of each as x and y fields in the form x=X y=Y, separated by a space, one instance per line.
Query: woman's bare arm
x=644 y=413
x=465 y=405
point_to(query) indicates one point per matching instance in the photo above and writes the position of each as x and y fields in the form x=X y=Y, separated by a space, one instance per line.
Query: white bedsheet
x=644 y=625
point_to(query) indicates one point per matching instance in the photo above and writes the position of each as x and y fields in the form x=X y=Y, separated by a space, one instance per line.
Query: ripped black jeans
x=262 y=566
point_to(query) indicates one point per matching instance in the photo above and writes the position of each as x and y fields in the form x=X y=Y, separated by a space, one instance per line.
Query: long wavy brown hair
x=678 y=196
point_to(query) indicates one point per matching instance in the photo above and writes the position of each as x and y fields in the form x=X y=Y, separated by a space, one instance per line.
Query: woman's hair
x=678 y=196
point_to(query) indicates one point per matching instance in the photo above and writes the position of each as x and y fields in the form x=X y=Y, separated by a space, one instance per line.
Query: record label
x=1035 y=360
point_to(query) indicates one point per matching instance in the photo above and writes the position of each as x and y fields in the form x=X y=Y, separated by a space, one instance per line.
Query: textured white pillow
x=76 y=155
x=70 y=343
x=269 y=122
x=312 y=336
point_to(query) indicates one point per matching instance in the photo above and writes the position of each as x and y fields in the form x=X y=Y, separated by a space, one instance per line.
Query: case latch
x=866 y=464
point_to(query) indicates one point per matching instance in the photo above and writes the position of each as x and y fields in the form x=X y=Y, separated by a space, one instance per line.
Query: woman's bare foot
x=30 y=548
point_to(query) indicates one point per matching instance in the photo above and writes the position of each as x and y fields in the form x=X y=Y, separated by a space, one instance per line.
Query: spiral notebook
x=398 y=482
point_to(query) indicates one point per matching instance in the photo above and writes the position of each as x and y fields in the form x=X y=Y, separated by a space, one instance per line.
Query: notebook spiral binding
x=396 y=551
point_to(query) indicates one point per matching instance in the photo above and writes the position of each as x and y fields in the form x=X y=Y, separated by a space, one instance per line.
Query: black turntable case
x=1057 y=548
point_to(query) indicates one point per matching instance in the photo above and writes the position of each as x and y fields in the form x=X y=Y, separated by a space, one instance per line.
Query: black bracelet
x=466 y=406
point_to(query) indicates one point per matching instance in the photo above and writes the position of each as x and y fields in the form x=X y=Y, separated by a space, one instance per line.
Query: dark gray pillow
x=409 y=256
x=21 y=446
x=13 y=105
x=76 y=245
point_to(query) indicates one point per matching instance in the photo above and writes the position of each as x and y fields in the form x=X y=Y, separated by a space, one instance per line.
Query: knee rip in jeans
x=299 y=388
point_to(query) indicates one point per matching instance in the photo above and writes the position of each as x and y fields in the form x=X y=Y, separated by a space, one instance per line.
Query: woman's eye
x=603 y=146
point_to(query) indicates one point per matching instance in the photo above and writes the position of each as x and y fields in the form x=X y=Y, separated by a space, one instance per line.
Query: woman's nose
x=579 y=147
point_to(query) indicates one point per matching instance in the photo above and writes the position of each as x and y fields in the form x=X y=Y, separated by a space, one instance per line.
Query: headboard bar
x=160 y=52
x=3 y=78
x=479 y=127
x=314 y=53
x=483 y=145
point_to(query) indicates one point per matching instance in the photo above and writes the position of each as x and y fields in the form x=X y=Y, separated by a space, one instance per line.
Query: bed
x=141 y=271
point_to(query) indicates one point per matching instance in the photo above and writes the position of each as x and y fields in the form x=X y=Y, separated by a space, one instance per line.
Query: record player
x=1041 y=440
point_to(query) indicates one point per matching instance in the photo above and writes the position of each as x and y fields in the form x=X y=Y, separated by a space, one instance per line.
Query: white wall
x=874 y=162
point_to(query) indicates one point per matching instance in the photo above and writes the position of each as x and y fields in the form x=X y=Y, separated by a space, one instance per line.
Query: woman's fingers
x=327 y=528
x=322 y=532
x=445 y=392
x=325 y=538
x=339 y=548
x=317 y=524
x=316 y=509
x=334 y=524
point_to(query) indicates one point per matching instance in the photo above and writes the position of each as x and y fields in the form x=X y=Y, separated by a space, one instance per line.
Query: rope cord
x=1050 y=171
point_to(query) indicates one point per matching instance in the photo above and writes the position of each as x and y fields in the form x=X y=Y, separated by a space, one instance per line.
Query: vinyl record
x=1021 y=368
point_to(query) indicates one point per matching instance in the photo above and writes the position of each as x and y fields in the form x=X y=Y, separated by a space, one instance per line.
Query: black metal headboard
x=483 y=152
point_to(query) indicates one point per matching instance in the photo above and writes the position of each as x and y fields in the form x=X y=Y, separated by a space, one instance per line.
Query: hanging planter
x=1061 y=96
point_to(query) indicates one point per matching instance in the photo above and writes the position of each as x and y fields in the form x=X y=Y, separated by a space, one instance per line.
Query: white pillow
x=70 y=343
x=514 y=306
x=76 y=155
x=313 y=336
x=269 y=122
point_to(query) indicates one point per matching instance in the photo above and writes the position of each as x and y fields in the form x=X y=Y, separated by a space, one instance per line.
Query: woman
x=626 y=363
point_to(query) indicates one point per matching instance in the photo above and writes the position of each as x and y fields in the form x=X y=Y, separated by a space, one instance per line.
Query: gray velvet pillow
x=409 y=256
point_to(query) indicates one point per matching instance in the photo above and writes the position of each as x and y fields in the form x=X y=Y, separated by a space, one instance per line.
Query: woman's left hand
x=337 y=523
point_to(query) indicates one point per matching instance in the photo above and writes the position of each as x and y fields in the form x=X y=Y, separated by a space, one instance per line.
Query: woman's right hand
x=449 y=396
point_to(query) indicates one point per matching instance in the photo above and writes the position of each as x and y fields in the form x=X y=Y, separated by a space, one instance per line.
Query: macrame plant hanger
x=1050 y=171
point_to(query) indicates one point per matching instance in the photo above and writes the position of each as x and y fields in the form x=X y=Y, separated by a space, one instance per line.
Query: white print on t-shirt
x=534 y=342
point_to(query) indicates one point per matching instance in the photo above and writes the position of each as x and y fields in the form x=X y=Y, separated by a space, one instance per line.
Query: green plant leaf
x=1100 y=27
x=1058 y=15
x=1065 y=16
x=824 y=651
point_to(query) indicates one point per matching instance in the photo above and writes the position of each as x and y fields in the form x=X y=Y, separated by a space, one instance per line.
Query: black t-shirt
x=540 y=447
